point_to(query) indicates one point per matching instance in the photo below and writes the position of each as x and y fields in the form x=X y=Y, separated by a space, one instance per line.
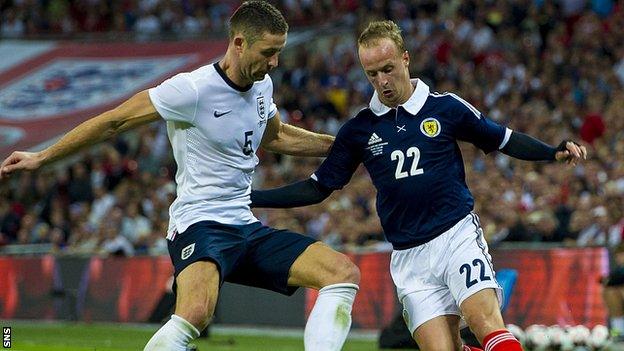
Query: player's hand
x=570 y=152
x=19 y=161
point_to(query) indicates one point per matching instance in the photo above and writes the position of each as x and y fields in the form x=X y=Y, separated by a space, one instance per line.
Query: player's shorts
x=433 y=279
x=251 y=254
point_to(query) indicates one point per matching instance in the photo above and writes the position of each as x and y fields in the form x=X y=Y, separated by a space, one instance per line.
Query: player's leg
x=199 y=262
x=440 y=333
x=336 y=278
x=472 y=282
x=197 y=291
x=320 y=266
x=482 y=313
x=282 y=261
x=429 y=309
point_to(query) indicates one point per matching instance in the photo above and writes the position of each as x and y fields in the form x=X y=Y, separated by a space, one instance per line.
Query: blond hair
x=381 y=30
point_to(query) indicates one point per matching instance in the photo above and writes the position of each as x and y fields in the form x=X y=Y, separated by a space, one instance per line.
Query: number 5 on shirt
x=247 y=147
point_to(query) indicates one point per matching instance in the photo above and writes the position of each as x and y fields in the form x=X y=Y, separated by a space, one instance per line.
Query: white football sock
x=173 y=336
x=617 y=323
x=330 y=319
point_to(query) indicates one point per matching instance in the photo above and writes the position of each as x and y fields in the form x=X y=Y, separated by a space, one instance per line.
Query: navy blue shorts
x=251 y=254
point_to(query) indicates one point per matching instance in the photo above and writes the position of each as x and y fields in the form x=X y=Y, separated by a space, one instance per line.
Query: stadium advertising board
x=555 y=286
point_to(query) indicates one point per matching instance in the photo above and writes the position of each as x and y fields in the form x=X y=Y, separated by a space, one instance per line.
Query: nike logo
x=218 y=114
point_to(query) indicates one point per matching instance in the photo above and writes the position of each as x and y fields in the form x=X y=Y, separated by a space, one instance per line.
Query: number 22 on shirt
x=412 y=153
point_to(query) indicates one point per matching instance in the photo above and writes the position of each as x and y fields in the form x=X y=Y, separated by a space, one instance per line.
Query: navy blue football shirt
x=413 y=159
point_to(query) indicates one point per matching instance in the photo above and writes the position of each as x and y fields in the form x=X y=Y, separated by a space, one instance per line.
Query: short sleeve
x=477 y=129
x=272 y=109
x=342 y=161
x=175 y=99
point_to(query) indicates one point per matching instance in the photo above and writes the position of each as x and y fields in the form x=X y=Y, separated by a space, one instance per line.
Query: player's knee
x=344 y=271
x=485 y=320
x=485 y=312
x=198 y=314
x=352 y=273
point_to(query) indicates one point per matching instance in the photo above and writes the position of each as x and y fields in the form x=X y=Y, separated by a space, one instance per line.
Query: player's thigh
x=469 y=267
x=439 y=334
x=202 y=255
x=319 y=266
x=427 y=303
x=482 y=313
x=269 y=257
x=197 y=289
x=471 y=278
x=418 y=275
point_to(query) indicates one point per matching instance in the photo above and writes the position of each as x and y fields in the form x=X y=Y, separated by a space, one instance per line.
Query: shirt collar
x=412 y=105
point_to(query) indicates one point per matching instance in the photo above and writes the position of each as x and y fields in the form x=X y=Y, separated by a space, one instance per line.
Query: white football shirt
x=214 y=127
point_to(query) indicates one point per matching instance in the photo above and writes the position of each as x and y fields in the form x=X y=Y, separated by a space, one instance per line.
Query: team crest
x=188 y=251
x=430 y=127
x=261 y=110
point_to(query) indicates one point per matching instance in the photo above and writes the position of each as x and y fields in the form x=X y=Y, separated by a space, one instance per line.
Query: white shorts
x=433 y=279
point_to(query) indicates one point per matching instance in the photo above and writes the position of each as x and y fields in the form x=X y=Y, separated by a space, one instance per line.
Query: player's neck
x=231 y=67
x=409 y=91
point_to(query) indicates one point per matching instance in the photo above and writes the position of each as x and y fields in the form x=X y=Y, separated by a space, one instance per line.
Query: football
x=517 y=332
x=537 y=337
x=599 y=337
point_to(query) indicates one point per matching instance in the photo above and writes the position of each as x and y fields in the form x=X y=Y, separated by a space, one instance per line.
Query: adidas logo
x=374 y=139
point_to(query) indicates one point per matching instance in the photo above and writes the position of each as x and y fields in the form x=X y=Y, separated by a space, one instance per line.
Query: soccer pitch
x=60 y=336
x=65 y=336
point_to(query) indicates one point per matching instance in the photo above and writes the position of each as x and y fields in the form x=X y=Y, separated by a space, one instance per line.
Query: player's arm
x=526 y=147
x=474 y=127
x=286 y=139
x=134 y=112
x=303 y=193
x=334 y=173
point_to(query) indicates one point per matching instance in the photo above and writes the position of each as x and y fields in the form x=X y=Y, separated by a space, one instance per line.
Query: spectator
x=9 y=223
x=134 y=226
x=596 y=233
x=113 y=243
x=102 y=204
x=79 y=188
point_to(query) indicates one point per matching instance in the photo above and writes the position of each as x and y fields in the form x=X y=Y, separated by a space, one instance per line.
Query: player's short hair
x=381 y=30
x=254 y=18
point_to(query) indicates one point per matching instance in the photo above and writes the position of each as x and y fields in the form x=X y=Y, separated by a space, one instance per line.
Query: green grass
x=42 y=336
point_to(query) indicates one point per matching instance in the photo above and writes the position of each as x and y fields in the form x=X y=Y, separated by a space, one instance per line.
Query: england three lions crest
x=261 y=110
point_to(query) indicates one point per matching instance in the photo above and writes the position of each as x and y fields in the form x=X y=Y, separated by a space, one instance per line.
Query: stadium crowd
x=553 y=70
x=28 y=18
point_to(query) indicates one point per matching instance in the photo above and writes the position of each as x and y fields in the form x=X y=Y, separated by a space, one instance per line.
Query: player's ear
x=238 y=41
x=406 y=58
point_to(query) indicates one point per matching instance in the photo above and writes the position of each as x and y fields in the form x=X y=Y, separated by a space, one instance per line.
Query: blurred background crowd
x=554 y=70
x=23 y=18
